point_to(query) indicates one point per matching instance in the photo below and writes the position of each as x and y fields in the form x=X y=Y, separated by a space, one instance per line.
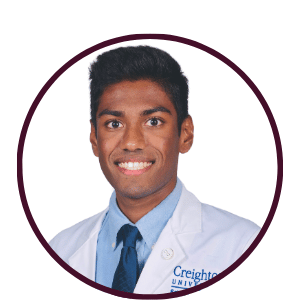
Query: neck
x=135 y=209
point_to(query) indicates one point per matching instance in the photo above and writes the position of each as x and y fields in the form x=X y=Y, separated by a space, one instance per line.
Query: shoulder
x=66 y=243
x=223 y=220
x=225 y=226
x=207 y=218
x=221 y=229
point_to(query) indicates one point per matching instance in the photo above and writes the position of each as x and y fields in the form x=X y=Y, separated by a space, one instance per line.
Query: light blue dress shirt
x=150 y=226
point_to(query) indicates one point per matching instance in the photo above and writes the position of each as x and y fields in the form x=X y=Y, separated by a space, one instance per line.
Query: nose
x=133 y=138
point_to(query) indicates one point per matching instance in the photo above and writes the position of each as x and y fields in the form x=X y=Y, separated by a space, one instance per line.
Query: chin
x=135 y=192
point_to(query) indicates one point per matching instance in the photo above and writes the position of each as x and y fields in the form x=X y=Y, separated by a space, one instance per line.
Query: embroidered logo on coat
x=185 y=279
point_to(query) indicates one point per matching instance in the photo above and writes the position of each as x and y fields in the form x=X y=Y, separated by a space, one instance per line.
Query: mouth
x=132 y=167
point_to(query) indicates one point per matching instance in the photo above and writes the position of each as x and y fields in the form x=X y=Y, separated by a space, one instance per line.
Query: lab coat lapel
x=186 y=219
x=84 y=259
x=157 y=268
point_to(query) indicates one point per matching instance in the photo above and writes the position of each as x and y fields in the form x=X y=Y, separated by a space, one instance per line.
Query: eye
x=153 y=122
x=114 y=124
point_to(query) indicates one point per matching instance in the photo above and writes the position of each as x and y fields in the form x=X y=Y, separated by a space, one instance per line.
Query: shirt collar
x=151 y=225
x=116 y=220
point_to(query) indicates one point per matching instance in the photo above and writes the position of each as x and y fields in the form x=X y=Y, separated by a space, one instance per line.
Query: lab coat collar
x=84 y=259
x=186 y=219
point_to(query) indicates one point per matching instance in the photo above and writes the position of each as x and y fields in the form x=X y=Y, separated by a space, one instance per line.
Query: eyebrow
x=155 y=109
x=146 y=112
x=115 y=113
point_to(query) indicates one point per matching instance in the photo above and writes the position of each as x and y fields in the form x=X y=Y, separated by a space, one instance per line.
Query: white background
x=231 y=165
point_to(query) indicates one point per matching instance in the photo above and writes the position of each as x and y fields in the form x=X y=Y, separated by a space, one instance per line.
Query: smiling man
x=155 y=236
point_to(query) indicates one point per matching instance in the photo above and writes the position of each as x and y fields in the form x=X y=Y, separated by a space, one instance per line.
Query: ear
x=93 y=139
x=187 y=135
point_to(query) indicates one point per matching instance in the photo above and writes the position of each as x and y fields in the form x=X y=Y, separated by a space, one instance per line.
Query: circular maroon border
x=157 y=37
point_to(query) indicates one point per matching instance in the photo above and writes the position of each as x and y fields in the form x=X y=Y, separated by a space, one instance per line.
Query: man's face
x=137 y=138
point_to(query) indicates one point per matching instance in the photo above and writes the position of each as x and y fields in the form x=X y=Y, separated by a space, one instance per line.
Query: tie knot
x=130 y=234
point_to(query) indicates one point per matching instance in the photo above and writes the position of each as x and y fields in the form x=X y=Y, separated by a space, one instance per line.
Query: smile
x=134 y=167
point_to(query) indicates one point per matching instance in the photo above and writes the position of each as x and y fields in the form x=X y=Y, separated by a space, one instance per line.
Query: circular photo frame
x=213 y=53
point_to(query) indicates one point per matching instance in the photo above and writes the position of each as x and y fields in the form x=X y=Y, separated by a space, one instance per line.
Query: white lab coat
x=198 y=242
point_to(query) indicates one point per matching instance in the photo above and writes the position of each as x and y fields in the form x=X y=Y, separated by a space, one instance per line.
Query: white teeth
x=134 y=165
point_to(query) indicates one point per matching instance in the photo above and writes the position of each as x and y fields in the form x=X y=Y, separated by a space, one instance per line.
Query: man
x=155 y=236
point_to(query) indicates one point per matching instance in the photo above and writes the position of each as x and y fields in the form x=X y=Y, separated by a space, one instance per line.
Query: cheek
x=167 y=146
x=105 y=148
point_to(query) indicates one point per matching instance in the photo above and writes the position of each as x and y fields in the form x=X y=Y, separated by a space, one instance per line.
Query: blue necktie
x=127 y=272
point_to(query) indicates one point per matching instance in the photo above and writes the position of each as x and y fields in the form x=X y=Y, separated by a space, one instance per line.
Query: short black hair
x=139 y=63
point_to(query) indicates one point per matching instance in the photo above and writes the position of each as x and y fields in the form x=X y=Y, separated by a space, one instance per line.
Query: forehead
x=135 y=96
